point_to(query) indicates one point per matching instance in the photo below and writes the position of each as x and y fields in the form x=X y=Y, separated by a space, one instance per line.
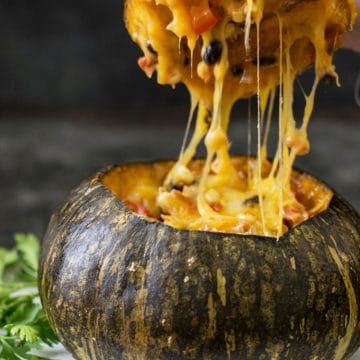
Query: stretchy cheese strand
x=222 y=197
x=259 y=158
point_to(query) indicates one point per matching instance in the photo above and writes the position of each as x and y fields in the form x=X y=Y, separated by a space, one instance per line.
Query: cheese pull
x=223 y=51
x=216 y=139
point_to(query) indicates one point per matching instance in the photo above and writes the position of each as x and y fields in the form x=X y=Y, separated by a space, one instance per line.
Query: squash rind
x=116 y=286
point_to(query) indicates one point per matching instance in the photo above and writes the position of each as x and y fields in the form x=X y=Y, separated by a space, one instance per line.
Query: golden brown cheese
x=224 y=50
x=137 y=186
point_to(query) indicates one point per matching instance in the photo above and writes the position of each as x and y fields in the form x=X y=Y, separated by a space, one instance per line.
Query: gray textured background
x=44 y=156
x=70 y=54
x=77 y=53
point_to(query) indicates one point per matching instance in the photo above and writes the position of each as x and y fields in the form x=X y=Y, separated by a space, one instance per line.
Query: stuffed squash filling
x=225 y=50
x=140 y=188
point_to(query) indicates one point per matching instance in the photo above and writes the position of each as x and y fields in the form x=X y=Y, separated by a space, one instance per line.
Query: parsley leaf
x=24 y=332
x=28 y=248
x=23 y=324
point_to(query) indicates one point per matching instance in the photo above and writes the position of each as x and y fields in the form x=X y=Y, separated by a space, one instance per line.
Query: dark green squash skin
x=116 y=286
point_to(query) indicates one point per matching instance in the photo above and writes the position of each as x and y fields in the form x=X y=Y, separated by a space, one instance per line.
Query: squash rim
x=105 y=170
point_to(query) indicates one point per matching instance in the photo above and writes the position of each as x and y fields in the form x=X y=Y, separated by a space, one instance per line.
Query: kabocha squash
x=119 y=285
x=116 y=285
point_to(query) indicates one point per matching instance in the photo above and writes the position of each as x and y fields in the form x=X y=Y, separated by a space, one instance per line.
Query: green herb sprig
x=23 y=325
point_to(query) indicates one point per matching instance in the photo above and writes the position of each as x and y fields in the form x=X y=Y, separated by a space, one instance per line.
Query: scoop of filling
x=224 y=50
x=139 y=187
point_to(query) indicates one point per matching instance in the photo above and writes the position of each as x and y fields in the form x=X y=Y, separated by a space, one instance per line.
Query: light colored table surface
x=59 y=353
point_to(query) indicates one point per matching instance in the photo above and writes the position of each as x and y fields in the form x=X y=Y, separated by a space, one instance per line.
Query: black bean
x=186 y=61
x=174 y=186
x=150 y=48
x=252 y=201
x=212 y=53
x=237 y=70
x=288 y=223
x=265 y=61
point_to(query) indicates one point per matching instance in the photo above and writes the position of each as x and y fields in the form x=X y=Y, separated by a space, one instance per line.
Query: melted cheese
x=224 y=50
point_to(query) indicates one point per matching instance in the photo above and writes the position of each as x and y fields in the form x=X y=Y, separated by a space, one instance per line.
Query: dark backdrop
x=71 y=53
x=77 y=53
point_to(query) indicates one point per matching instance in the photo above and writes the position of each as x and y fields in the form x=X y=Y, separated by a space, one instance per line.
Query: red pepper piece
x=203 y=18
x=148 y=65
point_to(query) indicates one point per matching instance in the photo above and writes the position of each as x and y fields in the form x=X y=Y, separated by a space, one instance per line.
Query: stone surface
x=59 y=353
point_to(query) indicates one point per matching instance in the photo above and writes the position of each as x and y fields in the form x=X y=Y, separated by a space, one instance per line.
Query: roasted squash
x=116 y=285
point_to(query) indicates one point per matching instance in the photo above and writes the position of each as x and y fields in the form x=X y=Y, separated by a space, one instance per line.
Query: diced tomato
x=131 y=205
x=216 y=206
x=147 y=64
x=294 y=215
x=142 y=210
x=245 y=227
x=143 y=62
x=138 y=208
x=203 y=18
